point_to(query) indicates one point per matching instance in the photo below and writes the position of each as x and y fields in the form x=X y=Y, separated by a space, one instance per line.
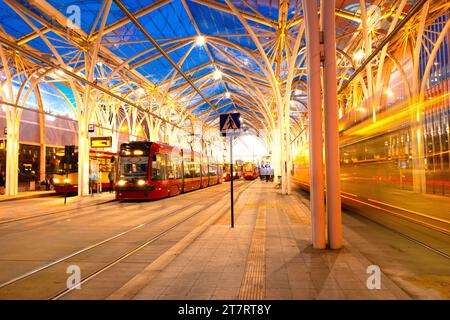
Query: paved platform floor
x=268 y=255
x=27 y=195
x=183 y=248
x=31 y=204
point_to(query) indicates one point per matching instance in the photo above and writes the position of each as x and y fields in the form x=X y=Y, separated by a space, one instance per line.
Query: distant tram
x=237 y=171
x=150 y=170
x=65 y=179
x=250 y=171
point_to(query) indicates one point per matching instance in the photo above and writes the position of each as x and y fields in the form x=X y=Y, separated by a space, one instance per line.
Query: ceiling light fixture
x=217 y=74
x=200 y=41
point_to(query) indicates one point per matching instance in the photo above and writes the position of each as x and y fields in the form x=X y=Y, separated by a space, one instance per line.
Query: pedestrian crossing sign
x=230 y=124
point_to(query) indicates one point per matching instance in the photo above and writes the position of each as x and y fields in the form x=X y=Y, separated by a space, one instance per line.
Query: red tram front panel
x=148 y=171
x=251 y=171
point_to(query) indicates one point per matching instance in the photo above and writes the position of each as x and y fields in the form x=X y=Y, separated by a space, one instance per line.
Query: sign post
x=69 y=154
x=230 y=125
x=231 y=181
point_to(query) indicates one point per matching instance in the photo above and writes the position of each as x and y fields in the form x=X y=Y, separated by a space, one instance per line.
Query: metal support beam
x=160 y=49
x=411 y=13
x=331 y=114
x=81 y=79
x=247 y=15
x=42 y=169
x=315 y=126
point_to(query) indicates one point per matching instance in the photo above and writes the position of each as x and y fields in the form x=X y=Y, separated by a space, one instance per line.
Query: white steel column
x=13 y=115
x=83 y=157
x=12 y=152
x=331 y=114
x=42 y=169
x=315 y=125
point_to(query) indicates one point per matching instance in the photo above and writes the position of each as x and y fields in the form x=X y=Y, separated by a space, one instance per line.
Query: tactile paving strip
x=253 y=285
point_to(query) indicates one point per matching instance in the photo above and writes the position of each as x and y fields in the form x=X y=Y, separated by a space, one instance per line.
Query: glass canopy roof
x=227 y=49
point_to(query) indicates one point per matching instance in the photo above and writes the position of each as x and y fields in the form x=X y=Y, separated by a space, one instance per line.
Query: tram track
x=137 y=248
x=46 y=214
x=438 y=225
x=68 y=210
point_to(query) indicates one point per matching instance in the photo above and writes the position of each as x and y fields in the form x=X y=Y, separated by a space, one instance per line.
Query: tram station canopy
x=186 y=59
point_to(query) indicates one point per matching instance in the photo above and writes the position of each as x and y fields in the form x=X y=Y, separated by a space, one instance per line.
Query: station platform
x=184 y=248
x=268 y=255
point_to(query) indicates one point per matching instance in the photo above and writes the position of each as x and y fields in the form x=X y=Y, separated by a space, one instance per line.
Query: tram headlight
x=141 y=182
x=67 y=180
x=56 y=180
x=121 y=183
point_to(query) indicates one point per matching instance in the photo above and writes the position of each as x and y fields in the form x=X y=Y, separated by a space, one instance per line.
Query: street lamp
x=389 y=93
x=200 y=41
x=358 y=56
x=217 y=75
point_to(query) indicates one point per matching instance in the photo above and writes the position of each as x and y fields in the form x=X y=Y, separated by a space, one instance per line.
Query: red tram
x=66 y=179
x=237 y=171
x=251 y=171
x=150 y=170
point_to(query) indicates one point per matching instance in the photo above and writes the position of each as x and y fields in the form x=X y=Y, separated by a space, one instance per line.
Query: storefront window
x=3 y=156
x=28 y=163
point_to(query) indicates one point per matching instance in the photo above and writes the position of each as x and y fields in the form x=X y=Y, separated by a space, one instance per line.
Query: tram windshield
x=62 y=167
x=134 y=167
x=248 y=167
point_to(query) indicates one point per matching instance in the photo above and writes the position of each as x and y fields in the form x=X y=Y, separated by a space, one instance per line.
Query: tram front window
x=62 y=167
x=134 y=167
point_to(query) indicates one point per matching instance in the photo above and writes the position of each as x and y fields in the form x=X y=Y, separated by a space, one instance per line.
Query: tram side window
x=212 y=169
x=195 y=169
x=187 y=169
x=204 y=169
x=158 y=167
x=192 y=169
x=198 y=168
x=173 y=166
x=170 y=174
x=176 y=162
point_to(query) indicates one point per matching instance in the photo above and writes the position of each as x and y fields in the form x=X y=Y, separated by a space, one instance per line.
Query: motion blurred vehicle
x=250 y=171
x=65 y=179
x=380 y=160
x=150 y=170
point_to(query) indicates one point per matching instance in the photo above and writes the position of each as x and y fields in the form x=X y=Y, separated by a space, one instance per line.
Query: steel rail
x=2 y=222
x=138 y=248
x=97 y=244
